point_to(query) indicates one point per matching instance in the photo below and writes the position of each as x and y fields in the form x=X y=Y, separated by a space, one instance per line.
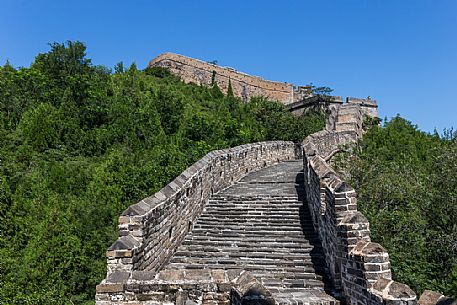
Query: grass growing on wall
x=78 y=144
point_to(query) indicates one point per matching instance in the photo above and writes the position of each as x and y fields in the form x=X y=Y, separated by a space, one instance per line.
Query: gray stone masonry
x=183 y=287
x=429 y=297
x=359 y=268
x=298 y=99
x=151 y=230
x=259 y=224
x=368 y=106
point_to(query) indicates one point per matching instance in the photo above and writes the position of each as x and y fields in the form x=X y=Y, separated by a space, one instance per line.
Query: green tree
x=406 y=188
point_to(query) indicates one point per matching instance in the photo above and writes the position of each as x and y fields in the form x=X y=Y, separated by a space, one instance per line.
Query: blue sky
x=401 y=52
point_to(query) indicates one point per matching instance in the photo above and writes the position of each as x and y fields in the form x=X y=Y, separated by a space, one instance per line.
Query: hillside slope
x=79 y=144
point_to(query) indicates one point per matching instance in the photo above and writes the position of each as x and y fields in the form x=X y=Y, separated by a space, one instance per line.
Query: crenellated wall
x=360 y=268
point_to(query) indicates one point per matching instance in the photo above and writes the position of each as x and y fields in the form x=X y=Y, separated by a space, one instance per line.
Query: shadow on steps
x=317 y=254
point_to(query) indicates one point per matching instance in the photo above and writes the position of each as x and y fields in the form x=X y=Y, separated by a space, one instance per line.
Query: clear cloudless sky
x=401 y=52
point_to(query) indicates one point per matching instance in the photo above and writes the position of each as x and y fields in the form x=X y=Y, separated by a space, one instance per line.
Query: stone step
x=241 y=249
x=254 y=222
x=272 y=271
x=263 y=222
x=261 y=256
x=257 y=221
x=235 y=213
x=259 y=217
x=261 y=225
x=247 y=227
x=230 y=243
x=252 y=213
x=256 y=205
x=292 y=203
x=235 y=250
x=259 y=234
x=288 y=279
x=223 y=225
x=250 y=233
x=262 y=217
x=281 y=253
x=230 y=263
x=301 y=296
x=266 y=241
x=228 y=209
x=227 y=195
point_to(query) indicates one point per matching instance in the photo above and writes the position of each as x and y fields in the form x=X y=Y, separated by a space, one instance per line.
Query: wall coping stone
x=392 y=290
x=429 y=297
x=235 y=285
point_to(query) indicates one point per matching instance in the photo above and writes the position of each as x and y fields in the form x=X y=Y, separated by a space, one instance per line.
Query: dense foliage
x=79 y=144
x=407 y=186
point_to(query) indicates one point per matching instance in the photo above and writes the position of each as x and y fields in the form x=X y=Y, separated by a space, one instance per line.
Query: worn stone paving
x=261 y=225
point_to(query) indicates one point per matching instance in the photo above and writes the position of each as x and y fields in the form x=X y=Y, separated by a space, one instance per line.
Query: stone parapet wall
x=298 y=99
x=360 y=269
x=368 y=106
x=151 y=230
x=244 y=86
x=314 y=103
x=182 y=287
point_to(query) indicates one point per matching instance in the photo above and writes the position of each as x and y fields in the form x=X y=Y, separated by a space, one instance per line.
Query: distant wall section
x=244 y=86
x=298 y=99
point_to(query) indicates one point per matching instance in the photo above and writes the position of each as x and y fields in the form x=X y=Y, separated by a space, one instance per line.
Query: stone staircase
x=261 y=225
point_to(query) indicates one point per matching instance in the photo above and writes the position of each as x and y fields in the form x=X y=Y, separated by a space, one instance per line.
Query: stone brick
x=171 y=275
x=109 y=288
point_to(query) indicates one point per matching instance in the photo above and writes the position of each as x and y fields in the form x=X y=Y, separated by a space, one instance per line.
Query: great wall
x=262 y=223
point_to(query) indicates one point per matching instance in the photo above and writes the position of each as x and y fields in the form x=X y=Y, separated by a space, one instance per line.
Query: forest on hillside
x=407 y=188
x=80 y=143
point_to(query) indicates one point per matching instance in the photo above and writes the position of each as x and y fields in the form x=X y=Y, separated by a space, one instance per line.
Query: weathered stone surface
x=124 y=243
x=369 y=107
x=244 y=86
x=110 y=288
x=429 y=297
x=118 y=277
x=259 y=224
x=171 y=275
x=151 y=230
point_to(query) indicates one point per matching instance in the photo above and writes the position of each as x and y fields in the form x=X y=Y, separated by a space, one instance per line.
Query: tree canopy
x=407 y=188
